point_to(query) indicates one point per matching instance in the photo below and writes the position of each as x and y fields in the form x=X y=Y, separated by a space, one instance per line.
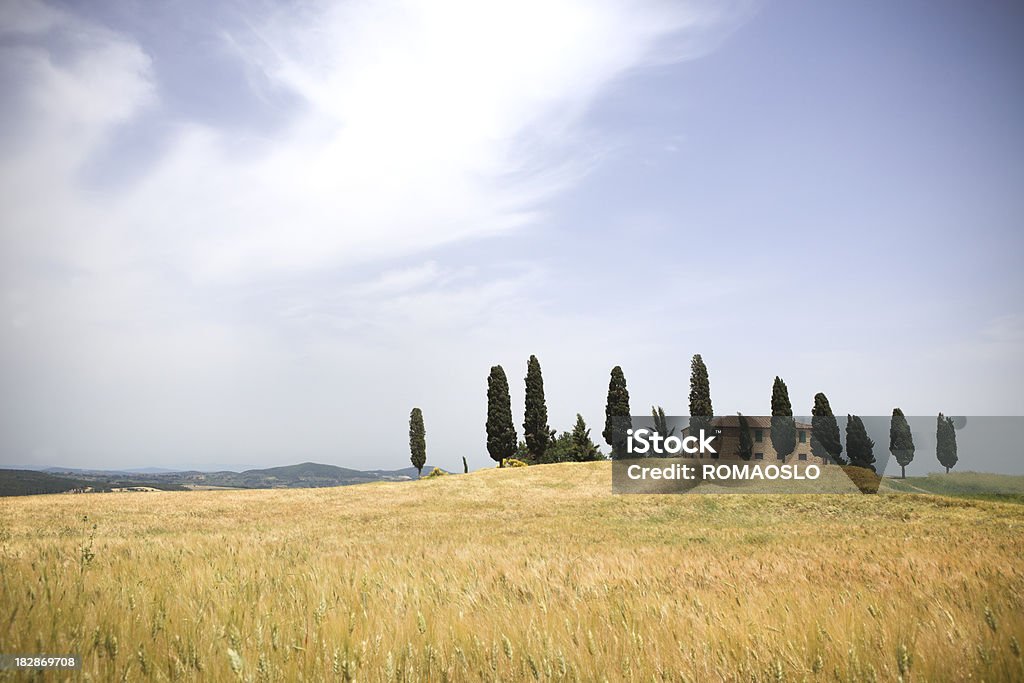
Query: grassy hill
x=516 y=574
x=977 y=485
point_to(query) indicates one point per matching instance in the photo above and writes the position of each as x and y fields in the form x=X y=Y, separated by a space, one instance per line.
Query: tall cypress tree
x=501 y=432
x=901 y=441
x=945 y=439
x=616 y=413
x=417 y=440
x=859 y=446
x=825 y=440
x=746 y=438
x=535 y=416
x=701 y=410
x=783 y=424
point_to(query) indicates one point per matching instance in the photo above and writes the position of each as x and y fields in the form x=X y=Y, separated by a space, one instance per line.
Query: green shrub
x=513 y=462
x=436 y=472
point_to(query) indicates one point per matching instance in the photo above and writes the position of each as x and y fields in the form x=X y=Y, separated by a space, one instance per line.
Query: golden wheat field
x=533 y=573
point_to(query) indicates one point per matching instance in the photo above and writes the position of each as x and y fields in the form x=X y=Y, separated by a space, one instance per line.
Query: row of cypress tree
x=825 y=439
x=577 y=445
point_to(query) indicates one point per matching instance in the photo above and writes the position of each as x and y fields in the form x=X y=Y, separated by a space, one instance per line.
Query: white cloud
x=61 y=108
x=425 y=122
x=195 y=293
x=421 y=123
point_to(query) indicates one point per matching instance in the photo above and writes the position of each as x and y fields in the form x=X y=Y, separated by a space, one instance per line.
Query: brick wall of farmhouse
x=728 y=446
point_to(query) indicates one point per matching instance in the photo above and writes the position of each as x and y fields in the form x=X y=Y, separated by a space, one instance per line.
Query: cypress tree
x=901 y=441
x=417 y=440
x=535 y=417
x=661 y=422
x=825 y=440
x=501 y=432
x=783 y=424
x=701 y=410
x=945 y=438
x=859 y=446
x=746 y=438
x=616 y=413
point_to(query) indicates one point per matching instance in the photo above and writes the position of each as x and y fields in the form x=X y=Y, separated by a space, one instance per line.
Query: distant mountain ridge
x=302 y=475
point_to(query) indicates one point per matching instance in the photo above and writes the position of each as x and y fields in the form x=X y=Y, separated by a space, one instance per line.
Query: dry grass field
x=519 y=574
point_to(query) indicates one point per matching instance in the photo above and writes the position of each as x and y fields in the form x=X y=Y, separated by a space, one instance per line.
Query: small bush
x=436 y=472
x=513 y=462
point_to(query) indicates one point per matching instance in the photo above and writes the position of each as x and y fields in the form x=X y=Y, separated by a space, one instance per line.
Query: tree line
x=541 y=444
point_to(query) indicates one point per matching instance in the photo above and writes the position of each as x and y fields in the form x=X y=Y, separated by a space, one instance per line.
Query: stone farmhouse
x=728 y=441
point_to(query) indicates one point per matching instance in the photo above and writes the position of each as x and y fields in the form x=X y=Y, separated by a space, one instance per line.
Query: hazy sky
x=259 y=233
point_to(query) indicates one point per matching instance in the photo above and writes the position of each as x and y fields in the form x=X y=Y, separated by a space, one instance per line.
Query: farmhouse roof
x=755 y=422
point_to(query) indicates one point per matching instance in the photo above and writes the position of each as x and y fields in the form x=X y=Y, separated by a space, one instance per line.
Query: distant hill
x=30 y=482
x=151 y=470
x=303 y=475
x=313 y=470
x=77 y=470
x=404 y=472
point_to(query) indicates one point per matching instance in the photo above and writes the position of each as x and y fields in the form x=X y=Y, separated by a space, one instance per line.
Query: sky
x=251 y=234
